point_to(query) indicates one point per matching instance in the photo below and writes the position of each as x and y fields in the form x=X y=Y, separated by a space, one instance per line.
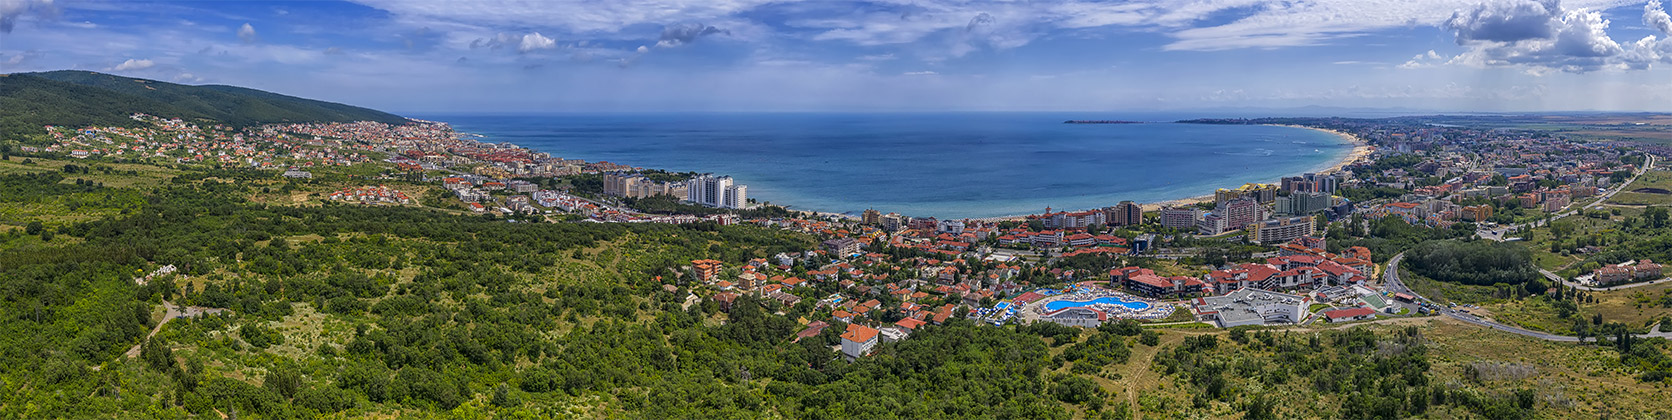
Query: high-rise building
x=1126 y=213
x=870 y=217
x=1180 y=217
x=717 y=191
x=1211 y=224
x=1280 y=230
x=1240 y=212
x=1303 y=203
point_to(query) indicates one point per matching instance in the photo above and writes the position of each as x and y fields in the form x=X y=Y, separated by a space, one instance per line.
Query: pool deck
x=1035 y=310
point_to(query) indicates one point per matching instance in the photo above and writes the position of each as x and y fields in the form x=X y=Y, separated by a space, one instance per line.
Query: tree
x=34 y=228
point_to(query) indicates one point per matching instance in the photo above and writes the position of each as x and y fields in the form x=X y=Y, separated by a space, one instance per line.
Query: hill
x=76 y=98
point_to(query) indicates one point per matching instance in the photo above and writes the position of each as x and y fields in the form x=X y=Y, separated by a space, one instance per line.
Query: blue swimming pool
x=1111 y=300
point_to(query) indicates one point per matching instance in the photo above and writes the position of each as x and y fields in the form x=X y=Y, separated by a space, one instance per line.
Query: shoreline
x=1361 y=149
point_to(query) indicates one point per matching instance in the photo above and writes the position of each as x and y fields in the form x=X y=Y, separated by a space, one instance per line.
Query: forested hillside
x=81 y=98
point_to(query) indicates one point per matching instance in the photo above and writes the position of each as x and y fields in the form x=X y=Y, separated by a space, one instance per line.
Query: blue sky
x=531 y=56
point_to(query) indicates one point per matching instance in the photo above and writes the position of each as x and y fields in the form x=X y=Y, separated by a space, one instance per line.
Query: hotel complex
x=717 y=191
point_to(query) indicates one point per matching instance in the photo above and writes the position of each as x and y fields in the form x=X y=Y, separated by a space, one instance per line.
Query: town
x=1259 y=254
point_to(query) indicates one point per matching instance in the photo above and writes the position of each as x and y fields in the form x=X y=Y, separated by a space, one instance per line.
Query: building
x=1126 y=213
x=1349 y=315
x=1280 y=230
x=717 y=191
x=1156 y=286
x=1478 y=213
x=1555 y=201
x=858 y=340
x=706 y=270
x=953 y=227
x=1180 y=217
x=870 y=217
x=841 y=247
x=1077 y=316
x=1260 y=193
x=1303 y=203
x=1250 y=306
x=1240 y=212
x=1611 y=274
x=894 y=222
x=1212 y=224
x=638 y=186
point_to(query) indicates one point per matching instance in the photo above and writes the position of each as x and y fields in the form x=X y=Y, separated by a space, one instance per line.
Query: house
x=858 y=340
x=1348 y=315
x=813 y=330
x=842 y=247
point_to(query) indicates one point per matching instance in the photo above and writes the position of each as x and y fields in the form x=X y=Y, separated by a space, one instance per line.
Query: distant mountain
x=80 y=98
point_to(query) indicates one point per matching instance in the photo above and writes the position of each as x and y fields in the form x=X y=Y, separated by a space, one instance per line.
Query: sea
x=946 y=165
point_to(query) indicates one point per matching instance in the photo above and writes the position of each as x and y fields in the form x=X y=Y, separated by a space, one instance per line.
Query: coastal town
x=1258 y=254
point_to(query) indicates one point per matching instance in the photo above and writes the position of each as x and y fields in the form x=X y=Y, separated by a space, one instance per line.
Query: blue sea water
x=947 y=165
x=1111 y=300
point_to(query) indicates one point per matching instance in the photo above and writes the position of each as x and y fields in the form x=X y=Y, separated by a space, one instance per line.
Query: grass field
x=1652 y=179
x=122 y=175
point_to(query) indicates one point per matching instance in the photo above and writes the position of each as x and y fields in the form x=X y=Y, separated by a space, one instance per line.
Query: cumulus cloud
x=134 y=64
x=10 y=10
x=246 y=33
x=1505 y=21
x=685 y=33
x=534 y=41
x=1655 y=16
x=1545 y=36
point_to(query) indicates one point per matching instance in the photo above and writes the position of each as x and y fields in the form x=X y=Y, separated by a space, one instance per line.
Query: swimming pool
x=1111 y=300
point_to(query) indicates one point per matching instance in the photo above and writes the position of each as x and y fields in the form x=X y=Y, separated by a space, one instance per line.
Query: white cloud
x=573 y=15
x=11 y=10
x=1545 y=36
x=535 y=41
x=920 y=73
x=246 y=33
x=133 y=64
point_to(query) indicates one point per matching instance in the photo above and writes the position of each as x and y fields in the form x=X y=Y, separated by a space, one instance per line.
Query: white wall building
x=858 y=340
x=717 y=191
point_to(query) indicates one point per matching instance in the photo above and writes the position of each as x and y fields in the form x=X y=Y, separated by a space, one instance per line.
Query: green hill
x=78 y=98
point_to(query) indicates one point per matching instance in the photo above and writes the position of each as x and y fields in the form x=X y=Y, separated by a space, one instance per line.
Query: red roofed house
x=858 y=340
x=1155 y=286
x=1354 y=314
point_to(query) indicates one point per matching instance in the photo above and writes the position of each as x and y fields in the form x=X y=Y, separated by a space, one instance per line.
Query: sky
x=537 y=56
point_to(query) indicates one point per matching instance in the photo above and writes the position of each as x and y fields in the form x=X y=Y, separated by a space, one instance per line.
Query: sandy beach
x=1361 y=150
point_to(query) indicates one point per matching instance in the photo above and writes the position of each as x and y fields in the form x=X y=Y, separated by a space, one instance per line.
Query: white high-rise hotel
x=713 y=191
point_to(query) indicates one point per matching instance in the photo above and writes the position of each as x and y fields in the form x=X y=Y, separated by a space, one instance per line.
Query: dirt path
x=170 y=312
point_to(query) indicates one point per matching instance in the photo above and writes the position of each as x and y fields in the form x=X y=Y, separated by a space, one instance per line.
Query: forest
x=1479 y=263
x=82 y=98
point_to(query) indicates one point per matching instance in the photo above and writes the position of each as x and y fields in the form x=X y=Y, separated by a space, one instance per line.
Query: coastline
x=1361 y=150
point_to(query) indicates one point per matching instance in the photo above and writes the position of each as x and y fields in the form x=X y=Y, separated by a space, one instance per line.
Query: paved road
x=1393 y=283
x=1575 y=284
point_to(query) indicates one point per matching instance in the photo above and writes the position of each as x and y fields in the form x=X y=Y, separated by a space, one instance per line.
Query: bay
x=947 y=165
